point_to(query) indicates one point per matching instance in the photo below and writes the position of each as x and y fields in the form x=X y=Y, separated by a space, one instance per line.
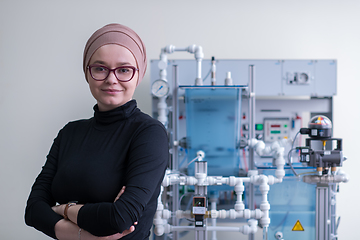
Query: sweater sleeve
x=38 y=212
x=148 y=159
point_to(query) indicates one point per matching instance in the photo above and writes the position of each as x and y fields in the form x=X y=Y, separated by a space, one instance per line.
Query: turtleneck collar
x=116 y=114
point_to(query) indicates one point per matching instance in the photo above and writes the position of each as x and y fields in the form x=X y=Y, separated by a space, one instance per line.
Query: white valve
x=279 y=235
x=200 y=154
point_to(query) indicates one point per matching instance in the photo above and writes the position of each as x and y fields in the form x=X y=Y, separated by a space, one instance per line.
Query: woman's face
x=111 y=93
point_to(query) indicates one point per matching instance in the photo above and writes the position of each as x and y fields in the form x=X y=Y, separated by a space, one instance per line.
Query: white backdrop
x=42 y=86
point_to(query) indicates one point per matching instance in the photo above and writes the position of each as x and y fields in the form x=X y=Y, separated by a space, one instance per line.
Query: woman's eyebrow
x=120 y=63
x=99 y=62
x=125 y=64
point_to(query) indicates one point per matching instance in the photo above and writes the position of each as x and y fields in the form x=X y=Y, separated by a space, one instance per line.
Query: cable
x=290 y=164
x=207 y=75
x=303 y=173
x=193 y=161
x=185 y=156
x=182 y=196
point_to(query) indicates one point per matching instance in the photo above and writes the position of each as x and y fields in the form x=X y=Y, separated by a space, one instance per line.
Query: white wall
x=42 y=86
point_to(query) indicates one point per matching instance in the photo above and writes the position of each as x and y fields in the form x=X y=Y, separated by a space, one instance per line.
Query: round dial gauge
x=160 y=88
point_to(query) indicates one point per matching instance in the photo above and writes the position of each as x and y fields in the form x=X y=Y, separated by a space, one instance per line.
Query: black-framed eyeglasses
x=123 y=73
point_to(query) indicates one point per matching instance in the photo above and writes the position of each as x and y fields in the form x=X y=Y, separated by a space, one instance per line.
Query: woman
x=119 y=154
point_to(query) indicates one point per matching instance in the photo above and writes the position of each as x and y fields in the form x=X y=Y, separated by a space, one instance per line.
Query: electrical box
x=316 y=78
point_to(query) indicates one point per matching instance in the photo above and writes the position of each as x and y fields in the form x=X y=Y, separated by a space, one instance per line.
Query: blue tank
x=213 y=126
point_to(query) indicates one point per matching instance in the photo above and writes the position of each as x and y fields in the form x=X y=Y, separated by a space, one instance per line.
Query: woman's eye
x=124 y=70
x=99 y=69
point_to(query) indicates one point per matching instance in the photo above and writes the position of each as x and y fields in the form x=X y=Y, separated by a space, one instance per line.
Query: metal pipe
x=201 y=190
x=175 y=154
x=251 y=136
x=332 y=203
x=213 y=221
x=209 y=228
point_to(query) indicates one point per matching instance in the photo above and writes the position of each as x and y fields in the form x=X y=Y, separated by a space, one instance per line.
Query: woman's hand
x=65 y=229
x=59 y=209
x=122 y=190
x=118 y=235
x=126 y=232
x=72 y=212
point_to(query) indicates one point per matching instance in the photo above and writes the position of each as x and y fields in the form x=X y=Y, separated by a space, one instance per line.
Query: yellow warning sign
x=298 y=226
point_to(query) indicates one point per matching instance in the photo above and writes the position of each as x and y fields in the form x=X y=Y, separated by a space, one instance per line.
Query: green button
x=259 y=127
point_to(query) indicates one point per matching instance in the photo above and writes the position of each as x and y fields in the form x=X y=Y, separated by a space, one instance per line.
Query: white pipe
x=278 y=152
x=245 y=229
x=196 y=50
x=158 y=221
x=326 y=179
x=162 y=111
x=264 y=206
x=162 y=65
x=239 y=210
x=239 y=190
x=213 y=220
x=228 y=79
x=183 y=214
x=170 y=178
x=342 y=177
x=203 y=180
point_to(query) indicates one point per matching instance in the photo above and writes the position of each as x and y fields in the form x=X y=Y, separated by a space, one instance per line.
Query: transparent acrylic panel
x=212 y=125
x=292 y=201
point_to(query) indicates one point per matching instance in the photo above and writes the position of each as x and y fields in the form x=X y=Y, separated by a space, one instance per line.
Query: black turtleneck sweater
x=89 y=162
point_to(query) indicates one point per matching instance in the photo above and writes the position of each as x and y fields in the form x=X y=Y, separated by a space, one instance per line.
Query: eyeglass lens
x=121 y=73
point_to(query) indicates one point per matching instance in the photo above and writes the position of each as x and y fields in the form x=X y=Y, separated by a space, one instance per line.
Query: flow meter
x=199 y=210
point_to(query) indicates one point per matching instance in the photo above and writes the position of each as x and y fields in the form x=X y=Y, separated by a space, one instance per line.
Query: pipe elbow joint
x=191 y=48
x=251 y=227
x=252 y=142
x=253 y=224
x=169 y=49
x=199 y=54
x=280 y=173
x=159 y=230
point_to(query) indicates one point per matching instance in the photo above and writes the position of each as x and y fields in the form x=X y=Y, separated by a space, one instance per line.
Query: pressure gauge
x=160 y=88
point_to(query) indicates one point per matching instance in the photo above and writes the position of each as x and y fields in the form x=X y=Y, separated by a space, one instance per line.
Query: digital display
x=199 y=202
x=199 y=206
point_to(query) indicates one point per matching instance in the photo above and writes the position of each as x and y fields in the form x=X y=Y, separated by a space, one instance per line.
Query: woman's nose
x=111 y=78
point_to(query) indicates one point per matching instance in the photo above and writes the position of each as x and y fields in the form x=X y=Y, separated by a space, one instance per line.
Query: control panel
x=276 y=129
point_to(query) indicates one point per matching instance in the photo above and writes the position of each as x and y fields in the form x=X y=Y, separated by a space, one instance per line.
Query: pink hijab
x=117 y=34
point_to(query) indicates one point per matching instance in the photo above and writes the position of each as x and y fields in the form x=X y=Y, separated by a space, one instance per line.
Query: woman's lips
x=111 y=91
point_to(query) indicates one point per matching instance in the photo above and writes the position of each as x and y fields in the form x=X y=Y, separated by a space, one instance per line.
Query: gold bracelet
x=66 y=209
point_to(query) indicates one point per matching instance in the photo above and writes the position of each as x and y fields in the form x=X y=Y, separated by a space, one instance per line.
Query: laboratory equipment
x=323 y=159
x=238 y=161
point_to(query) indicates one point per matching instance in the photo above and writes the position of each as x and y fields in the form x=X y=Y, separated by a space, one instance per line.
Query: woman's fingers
x=120 y=193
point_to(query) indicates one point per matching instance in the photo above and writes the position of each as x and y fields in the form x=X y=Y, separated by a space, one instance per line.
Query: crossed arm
x=69 y=230
x=148 y=160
